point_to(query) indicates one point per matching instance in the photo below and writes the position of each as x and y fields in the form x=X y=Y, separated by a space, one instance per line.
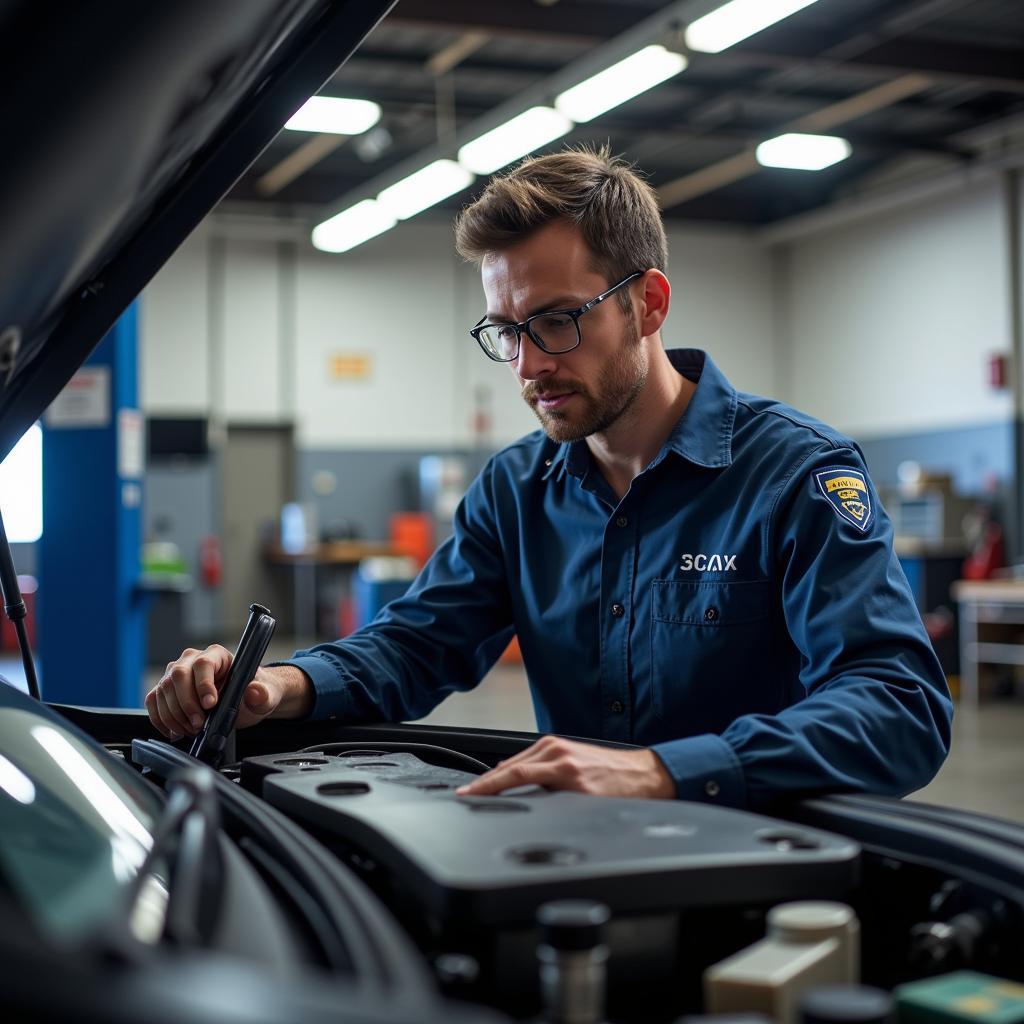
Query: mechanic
x=703 y=573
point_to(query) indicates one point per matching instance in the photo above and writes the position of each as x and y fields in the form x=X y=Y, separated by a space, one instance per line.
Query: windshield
x=76 y=824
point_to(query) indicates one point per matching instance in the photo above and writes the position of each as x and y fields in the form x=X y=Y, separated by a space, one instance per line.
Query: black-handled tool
x=209 y=745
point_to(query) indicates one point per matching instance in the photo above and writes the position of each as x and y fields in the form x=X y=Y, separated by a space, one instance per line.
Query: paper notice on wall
x=130 y=443
x=84 y=402
x=349 y=366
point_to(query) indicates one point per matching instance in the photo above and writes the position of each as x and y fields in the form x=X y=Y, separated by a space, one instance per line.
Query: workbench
x=991 y=628
x=305 y=563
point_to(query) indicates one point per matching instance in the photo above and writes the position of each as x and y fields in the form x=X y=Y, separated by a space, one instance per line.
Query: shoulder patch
x=847 y=491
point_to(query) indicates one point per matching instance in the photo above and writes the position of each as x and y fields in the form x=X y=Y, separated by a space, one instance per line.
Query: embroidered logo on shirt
x=708 y=563
x=847 y=492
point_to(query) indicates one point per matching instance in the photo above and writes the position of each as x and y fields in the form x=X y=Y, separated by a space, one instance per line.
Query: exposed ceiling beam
x=708 y=179
x=298 y=162
x=985 y=66
x=534 y=63
x=828 y=51
x=743 y=165
x=750 y=132
x=916 y=13
x=862 y=103
x=455 y=53
x=595 y=19
x=695 y=87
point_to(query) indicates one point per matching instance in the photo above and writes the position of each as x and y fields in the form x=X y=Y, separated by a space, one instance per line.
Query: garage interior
x=310 y=418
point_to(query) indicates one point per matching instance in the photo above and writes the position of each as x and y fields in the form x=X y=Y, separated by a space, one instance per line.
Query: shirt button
x=622 y=521
x=618 y=707
x=711 y=614
x=712 y=788
x=618 y=611
x=547 y=462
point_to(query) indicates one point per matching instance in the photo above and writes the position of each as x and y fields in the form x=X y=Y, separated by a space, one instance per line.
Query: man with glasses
x=702 y=573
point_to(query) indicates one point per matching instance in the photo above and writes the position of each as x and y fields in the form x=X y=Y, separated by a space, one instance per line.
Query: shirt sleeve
x=876 y=713
x=442 y=636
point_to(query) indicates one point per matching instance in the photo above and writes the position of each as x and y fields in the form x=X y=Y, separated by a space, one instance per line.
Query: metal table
x=986 y=603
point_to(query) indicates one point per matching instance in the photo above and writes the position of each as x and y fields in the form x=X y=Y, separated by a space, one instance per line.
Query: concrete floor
x=981 y=773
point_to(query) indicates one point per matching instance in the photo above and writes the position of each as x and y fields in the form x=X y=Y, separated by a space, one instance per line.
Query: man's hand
x=188 y=690
x=557 y=763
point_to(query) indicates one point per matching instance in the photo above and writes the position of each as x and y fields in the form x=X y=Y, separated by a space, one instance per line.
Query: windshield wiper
x=188 y=837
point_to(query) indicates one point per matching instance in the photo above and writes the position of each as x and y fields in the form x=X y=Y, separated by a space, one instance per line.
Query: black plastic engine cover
x=494 y=860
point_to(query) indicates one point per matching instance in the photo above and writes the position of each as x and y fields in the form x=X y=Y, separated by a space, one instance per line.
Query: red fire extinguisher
x=211 y=562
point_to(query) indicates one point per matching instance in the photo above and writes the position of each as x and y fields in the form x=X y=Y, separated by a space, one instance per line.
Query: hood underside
x=131 y=120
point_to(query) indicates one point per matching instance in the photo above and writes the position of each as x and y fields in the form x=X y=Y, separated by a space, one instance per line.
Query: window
x=21 y=488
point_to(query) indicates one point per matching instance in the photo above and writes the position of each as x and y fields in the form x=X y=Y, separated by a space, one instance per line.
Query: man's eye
x=505 y=332
x=555 y=323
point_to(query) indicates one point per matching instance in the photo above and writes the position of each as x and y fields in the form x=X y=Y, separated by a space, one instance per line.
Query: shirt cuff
x=331 y=698
x=704 y=768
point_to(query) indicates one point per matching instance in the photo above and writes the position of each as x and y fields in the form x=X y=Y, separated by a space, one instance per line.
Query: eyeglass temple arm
x=604 y=295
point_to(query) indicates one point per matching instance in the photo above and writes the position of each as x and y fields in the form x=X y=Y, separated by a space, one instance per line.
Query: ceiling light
x=630 y=77
x=424 y=188
x=736 y=20
x=803 y=152
x=332 y=115
x=353 y=226
x=523 y=134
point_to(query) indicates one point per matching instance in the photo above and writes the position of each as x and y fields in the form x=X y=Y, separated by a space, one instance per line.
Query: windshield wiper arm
x=190 y=828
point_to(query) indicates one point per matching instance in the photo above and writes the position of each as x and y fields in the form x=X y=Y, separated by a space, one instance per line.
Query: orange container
x=412 y=534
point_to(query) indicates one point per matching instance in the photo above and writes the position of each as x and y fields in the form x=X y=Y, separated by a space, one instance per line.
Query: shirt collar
x=702 y=435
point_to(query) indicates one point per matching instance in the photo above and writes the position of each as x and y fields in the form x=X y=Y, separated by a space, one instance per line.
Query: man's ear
x=655 y=296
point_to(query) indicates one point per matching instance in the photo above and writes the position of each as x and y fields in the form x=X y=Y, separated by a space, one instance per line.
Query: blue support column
x=91 y=618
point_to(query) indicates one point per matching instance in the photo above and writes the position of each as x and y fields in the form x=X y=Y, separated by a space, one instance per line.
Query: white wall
x=880 y=327
x=174 y=333
x=891 y=320
x=392 y=300
x=250 y=380
x=722 y=301
x=406 y=300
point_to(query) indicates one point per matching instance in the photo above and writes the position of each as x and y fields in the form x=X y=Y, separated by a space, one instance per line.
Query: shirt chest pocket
x=710 y=645
x=715 y=605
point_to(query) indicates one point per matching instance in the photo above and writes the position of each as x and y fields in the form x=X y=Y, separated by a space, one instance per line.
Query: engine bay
x=686 y=887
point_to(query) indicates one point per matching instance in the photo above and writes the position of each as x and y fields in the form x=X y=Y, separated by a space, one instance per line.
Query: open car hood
x=126 y=122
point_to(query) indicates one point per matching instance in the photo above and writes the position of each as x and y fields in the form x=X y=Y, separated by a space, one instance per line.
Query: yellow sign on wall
x=349 y=366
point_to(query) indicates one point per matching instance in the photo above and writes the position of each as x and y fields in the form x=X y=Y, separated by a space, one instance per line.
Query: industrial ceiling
x=913 y=85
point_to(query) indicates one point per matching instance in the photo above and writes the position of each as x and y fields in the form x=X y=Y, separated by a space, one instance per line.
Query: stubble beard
x=619 y=383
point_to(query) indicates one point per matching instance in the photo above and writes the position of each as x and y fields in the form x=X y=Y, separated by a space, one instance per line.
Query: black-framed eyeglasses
x=555 y=331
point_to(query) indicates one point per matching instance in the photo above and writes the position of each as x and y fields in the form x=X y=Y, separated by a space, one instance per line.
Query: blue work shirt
x=740 y=610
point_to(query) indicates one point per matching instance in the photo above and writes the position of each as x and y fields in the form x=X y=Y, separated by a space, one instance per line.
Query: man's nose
x=533 y=362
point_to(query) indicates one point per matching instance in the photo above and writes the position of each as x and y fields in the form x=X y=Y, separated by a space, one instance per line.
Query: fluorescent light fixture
x=636 y=74
x=333 y=115
x=424 y=188
x=803 y=152
x=353 y=226
x=736 y=20
x=523 y=134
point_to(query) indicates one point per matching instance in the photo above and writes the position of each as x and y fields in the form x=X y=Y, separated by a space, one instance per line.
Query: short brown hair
x=614 y=208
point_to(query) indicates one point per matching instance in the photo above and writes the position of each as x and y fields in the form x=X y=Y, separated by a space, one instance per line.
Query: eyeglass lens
x=556 y=332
